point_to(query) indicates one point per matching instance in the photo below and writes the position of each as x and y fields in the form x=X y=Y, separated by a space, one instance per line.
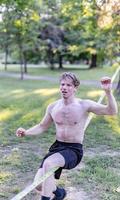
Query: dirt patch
x=74 y=194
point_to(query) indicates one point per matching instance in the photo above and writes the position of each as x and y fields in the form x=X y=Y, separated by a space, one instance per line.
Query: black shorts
x=72 y=153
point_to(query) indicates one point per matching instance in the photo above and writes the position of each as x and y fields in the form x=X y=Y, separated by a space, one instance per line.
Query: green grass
x=23 y=103
x=99 y=177
x=94 y=74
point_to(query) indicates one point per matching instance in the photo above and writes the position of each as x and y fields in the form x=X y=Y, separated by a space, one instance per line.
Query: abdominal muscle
x=70 y=134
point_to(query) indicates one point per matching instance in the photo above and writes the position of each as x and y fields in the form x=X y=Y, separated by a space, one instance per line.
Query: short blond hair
x=71 y=76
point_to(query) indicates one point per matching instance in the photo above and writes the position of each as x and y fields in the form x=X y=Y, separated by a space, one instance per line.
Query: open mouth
x=64 y=92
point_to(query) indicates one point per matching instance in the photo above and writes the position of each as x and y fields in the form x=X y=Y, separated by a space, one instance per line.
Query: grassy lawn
x=43 y=70
x=22 y=104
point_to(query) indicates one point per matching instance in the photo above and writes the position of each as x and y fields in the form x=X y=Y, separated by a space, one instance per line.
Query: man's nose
x=64 y=87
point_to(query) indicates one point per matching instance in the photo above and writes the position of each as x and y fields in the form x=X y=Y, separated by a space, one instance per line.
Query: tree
x=72 y=29
x=118 y=86
x=5 y=36
x=110 y=17
x=23 y=23
x=82 y=20
x=52 y=33
x=54 y=37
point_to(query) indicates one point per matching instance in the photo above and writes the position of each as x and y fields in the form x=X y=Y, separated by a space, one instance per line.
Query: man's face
x=67 y=88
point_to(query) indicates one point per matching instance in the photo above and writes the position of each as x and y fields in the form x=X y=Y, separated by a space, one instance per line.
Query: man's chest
x=70 y=115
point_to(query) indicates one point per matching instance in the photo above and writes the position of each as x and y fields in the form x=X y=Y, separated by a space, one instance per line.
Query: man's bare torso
x=69 y=120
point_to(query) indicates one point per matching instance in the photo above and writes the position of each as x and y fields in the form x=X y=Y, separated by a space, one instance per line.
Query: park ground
x=23 y=103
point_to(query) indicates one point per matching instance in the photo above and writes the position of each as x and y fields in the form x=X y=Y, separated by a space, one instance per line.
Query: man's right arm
x=39 y=128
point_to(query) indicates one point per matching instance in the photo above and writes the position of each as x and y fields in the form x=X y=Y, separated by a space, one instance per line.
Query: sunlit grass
x=114 y=123
x=46 y=91
x=17 y=91
x=6 y=114
x=13 y=158
x=4 y=176
x=20 y=93
x=95 y=93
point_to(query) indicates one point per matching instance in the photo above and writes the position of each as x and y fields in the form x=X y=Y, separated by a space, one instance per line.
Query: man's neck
x=69 y=100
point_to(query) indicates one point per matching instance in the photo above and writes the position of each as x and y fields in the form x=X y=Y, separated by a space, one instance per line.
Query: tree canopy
x=55 y=30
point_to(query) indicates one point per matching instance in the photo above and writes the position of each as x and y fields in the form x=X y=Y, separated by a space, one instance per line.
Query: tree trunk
x=25 y=66
x=6 y=58
x=60 y=61
x=118 y=86
x=51 y=58
x=25 y=63
x=6 y=40
x=93 y=61
x=21 y=61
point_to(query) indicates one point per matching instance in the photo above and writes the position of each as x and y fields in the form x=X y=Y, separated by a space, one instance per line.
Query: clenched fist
x=21 y=132
x=106 y=83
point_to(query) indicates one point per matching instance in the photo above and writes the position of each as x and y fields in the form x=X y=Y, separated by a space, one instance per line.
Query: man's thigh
x=70 y=157
x=55 y=160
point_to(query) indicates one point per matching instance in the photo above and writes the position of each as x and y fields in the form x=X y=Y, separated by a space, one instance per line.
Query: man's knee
x=38 y=174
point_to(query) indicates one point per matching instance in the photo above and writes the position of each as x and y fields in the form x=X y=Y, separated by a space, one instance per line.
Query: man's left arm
x=111 y=108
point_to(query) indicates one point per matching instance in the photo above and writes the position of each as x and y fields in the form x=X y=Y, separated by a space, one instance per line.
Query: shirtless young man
x=69 y=115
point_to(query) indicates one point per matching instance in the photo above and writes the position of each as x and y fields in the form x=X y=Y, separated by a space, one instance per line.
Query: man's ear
x=75 y=89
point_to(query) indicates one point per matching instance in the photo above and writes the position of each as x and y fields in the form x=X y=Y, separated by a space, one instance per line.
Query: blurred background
x=38 y=41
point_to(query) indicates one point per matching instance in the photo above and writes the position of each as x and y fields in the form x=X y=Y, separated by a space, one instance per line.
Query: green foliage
x=20 y=28
x=83 y=31
x=88 y=29
x=99 y=176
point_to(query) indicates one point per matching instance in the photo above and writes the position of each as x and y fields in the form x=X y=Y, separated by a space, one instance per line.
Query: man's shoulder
x=52 y=105
x=82 y=101
x=85 y=102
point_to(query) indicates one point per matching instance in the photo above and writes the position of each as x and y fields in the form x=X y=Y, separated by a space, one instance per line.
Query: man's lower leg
x=48 y=186
x=37 y=177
